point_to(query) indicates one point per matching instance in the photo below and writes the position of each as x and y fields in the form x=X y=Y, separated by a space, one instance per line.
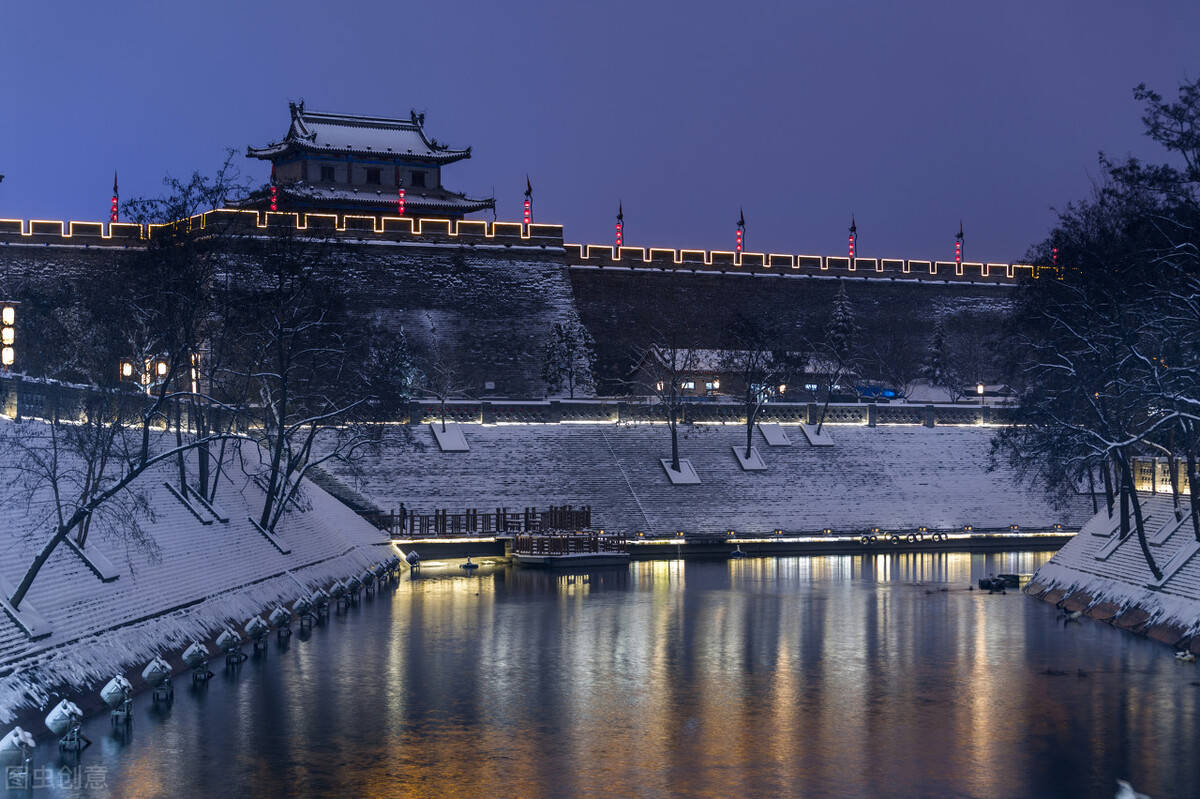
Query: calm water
x=827 y=676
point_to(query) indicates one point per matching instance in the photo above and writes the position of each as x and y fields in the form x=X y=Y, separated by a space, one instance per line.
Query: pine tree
x=936 y=368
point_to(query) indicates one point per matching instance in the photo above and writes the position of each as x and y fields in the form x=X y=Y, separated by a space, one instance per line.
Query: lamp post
x=8 y=335
x=979 y=391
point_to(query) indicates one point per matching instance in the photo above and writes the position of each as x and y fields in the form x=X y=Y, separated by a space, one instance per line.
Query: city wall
x=493 y=290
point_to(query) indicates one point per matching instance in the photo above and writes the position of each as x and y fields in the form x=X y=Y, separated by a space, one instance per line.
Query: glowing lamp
x=528 y=210
x=6 y=336
x=979 y=389
x=619 y=226
x=716 y=384
x=161 y=368
x=126 y=369
x=6 y=356
x=9 y=315
x=112 y=217
x=400 y=200
x=782 y=387
x=1054 y=256
x=274 y=198
x=738 y=245
x=958 y=251
x=658 y=386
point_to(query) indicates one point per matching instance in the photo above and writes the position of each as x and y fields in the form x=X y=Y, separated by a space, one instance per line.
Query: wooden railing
x=471 y=522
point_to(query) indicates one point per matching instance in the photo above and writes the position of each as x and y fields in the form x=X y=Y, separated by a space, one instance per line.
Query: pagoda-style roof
x=374 y=137
x=435 y=202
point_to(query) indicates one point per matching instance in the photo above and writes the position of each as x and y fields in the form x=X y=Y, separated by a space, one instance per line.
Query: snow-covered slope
x=887 y=476
x=1109 y=578
x=202 y=576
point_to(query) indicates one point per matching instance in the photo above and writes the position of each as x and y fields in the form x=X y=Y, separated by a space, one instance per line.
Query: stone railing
x=25 y=398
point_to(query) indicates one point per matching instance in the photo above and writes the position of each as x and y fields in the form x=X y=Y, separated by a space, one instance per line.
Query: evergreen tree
x=567 y=358
x=936 y=368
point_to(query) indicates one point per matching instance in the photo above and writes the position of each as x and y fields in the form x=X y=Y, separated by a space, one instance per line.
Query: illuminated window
x=688 y=384
x=373 y=177
x=418 y=179
x=712 y=385
x=327 y=174
x=810 y=386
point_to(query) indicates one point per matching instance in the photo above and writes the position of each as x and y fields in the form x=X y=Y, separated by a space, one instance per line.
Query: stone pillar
x=414 y=412
x=812 y=413
x=554 y=416
x=930 y=415
x=872 y=411
x=487 y=414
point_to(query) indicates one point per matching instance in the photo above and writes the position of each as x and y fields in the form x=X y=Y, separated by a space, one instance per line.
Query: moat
x=802 y=676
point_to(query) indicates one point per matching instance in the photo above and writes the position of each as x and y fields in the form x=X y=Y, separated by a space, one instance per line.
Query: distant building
x=344 y=164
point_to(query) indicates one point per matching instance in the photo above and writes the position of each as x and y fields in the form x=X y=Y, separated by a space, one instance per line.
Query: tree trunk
x=749 y=432
x=674 y=424
x=1108 y=486
x=182 y=454
x=1139 y=521
x=1193 y=492
x=1092 y=490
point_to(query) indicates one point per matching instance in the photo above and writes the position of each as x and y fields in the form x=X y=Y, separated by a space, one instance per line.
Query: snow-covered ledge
x=754 y=463
x=774 y=435
x=1106 y=577
x=821 y=439
x=686 y=474
x=451 y=439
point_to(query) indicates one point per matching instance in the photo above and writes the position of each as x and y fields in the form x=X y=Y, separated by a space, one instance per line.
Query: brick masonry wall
x=495 y=304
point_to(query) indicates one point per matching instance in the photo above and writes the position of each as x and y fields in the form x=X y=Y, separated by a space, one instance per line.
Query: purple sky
x=910 y=114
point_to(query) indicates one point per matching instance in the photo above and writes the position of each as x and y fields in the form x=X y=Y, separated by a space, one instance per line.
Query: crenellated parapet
x=254 y=223
x=727 y=262
x=478 y=233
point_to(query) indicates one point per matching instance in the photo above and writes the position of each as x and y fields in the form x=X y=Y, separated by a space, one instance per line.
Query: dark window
x=327 y=174
x=418 y=179
x=373 y=177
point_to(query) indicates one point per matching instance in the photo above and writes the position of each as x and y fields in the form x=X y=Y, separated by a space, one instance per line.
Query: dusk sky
x=909 y=115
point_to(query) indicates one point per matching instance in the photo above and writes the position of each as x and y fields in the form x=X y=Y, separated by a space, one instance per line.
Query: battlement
x=359 y=229
x=727 y=262
x=252 y=223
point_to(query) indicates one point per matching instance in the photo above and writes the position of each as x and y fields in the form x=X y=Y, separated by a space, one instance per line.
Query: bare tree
x=761 y=366
x=664 y=366
x=838 y=348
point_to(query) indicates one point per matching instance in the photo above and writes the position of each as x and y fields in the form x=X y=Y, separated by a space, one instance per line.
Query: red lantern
x=528 y=210
x=112 y=216
x=738 y=246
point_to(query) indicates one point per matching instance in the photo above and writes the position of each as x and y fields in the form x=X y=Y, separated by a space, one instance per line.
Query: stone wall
x=493 y=290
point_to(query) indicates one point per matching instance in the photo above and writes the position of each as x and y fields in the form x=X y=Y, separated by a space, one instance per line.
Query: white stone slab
x=451 y=439
x=686 y=474
x=774 y=435
x=95 y=561
x=1164 y=531
x=822 y=439
x=28 y=619
x=754 y=463
x=1185 y=553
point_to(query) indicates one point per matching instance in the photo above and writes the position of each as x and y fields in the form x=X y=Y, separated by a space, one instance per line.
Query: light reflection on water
x=815 y=676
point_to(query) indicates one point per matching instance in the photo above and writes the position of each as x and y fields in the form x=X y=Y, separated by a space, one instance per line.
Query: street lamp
x=8 y=334
x=979 y=391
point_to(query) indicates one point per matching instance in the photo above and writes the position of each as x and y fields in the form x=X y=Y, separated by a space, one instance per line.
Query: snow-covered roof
x=313 y=131
x=414 y=199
